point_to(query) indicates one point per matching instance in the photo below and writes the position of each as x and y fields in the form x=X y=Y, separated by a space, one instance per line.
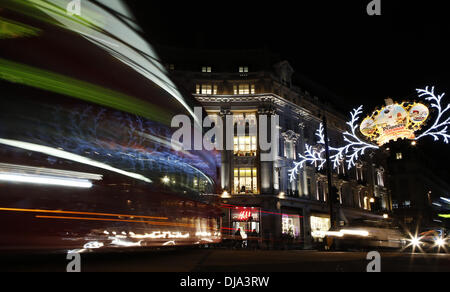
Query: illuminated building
x=259 y=195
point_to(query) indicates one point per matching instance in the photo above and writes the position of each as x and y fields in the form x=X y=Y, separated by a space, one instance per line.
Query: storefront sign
x=245 y=214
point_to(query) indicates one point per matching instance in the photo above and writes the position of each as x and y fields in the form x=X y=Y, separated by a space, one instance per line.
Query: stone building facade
x=258 y=195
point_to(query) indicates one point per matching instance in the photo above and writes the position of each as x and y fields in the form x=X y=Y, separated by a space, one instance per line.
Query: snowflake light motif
x=439 y=130
x=354 y=148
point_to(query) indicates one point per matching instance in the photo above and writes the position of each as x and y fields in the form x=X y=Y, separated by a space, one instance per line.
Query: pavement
x=231 y=261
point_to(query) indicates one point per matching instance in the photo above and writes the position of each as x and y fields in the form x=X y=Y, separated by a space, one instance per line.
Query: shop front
x=246 y=220
x=320 y=224
x=290 y=226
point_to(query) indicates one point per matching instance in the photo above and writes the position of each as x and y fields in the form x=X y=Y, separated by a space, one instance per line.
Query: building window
x=341 y=168
x=245 y=181
x=289 y=150
x=359 y=173
x=206 y=69
x=242 y=119
x=171 y=67
x=319 y=227
x=399 y=156
x=380 y=178
x=291 y=225
x=276 y=179
x=245 y=134
x=243 y=69
x=320 y=191
x=245 y=146
x=242 y=89
x=206 y=89
x=366 y=203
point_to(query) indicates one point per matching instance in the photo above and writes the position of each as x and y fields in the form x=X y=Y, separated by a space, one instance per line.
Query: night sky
x=361 y=59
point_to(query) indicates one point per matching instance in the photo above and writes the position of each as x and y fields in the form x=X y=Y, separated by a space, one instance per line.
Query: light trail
x=116 y=220
x=79 y=213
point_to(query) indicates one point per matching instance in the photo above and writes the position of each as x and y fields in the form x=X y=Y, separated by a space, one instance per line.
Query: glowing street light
x=166 y=180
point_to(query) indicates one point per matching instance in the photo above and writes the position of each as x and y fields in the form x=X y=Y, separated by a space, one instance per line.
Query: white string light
x=439 y=130
x=353 y=149
x=312 y=156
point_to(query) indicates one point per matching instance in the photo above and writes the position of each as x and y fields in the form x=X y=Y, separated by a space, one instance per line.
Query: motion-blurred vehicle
x=86 y=159
x=366 y=234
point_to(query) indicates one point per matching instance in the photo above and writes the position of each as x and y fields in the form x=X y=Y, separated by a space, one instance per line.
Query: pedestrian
x=238 y=238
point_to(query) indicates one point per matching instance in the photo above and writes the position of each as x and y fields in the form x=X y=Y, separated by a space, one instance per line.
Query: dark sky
x=362 y=59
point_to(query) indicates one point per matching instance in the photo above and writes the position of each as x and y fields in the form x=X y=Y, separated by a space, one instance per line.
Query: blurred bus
x=86 y=160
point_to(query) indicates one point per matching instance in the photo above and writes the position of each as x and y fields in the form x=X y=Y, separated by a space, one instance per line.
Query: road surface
x=218 y=260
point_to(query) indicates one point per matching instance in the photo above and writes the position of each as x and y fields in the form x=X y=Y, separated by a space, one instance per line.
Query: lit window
x=366 y=203
x=359 y=173
x=206 y=89
x=245 y=146
x=399 y=156
x=380 y=178
x=242 y=89
x=243 y=69
x=319 y=227
x=291 y=225
x=245 y=181
x=206 y=69
x=289 y=150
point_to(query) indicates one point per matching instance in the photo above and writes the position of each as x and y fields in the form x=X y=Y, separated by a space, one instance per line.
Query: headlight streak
x=93 y=245
x=69 y=156
x=135 y=151
x=43 y=176
x=117 y=220
x=342 y=233
x=31 y=170
x=45 y=180
x=161 y=235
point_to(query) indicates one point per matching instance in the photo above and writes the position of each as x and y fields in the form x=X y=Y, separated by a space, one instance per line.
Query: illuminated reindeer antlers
x=439 y=130
x=353 y=149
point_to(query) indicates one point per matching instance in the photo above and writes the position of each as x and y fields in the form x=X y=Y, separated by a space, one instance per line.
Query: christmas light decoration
x=439 y=130
x=312 y=156
x=353 y=149
x=388 y=124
